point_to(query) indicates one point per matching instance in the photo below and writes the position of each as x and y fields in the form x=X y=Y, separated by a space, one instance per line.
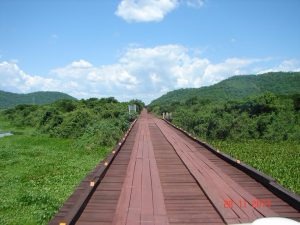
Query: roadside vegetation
x=53 y=147
x=263 y=130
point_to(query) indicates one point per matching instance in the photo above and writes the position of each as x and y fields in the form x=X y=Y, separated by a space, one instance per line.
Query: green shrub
x=74 y=125
x=66 y=105
x=102 y=133
x=267 y=117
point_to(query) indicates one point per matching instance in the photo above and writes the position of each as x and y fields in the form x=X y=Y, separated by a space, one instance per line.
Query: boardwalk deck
x=160 y=176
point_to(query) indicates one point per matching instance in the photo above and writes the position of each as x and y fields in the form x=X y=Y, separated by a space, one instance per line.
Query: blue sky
x=142 y=48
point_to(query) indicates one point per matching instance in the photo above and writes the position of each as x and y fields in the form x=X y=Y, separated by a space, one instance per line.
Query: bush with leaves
x=94 y=122
x=103 y=133
x=268 y=117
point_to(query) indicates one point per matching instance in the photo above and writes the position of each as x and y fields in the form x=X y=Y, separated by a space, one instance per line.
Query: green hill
x=238 y=87
x=8 y=99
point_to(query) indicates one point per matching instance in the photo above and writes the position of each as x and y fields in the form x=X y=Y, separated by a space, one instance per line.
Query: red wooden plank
x=160 y=214
x=134 y=210
x=210 y=177
x=189 y=202
x=124 y=200
x=146 y=205
x=147 y=202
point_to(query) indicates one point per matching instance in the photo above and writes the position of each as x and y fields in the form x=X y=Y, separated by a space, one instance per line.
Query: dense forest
x=8 y=99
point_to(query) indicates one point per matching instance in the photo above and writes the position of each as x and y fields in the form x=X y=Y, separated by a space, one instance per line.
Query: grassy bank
x=38 y=173
x=281 y=160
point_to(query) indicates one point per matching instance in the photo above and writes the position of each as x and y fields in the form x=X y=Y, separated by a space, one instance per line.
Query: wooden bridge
x=160 y=175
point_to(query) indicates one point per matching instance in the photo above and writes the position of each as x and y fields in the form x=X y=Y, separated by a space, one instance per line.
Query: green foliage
x=280 y=160
x=92 y=121
x=267 y=117
x=8 y=100
x=73 y=125
x=102 y=133
x=38 y=174
x=296 y=101
x=65 y=105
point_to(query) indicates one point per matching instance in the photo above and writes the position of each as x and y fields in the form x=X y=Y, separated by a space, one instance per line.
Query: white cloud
x=151 y=10
x=284 y=66
x=14 y=79
x=73 y=70
x=233 y=66
x=145 y=10
x=81 y=64
x=144 y=73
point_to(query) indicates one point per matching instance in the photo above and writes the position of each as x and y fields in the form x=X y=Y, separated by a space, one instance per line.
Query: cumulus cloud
x=145 y=10
x=73 y=70
x=107 y=80
x=151 y=10
x=16 y=80
x=233 y=66
x=144 y=73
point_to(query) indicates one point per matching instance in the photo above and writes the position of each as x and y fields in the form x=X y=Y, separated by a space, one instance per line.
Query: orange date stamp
x=242 y=203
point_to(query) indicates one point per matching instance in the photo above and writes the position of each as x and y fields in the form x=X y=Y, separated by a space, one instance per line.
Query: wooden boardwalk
x=159 y=175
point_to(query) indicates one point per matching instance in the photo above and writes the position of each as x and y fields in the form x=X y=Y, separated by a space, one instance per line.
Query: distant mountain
x=238 y=87
x=8 y=99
